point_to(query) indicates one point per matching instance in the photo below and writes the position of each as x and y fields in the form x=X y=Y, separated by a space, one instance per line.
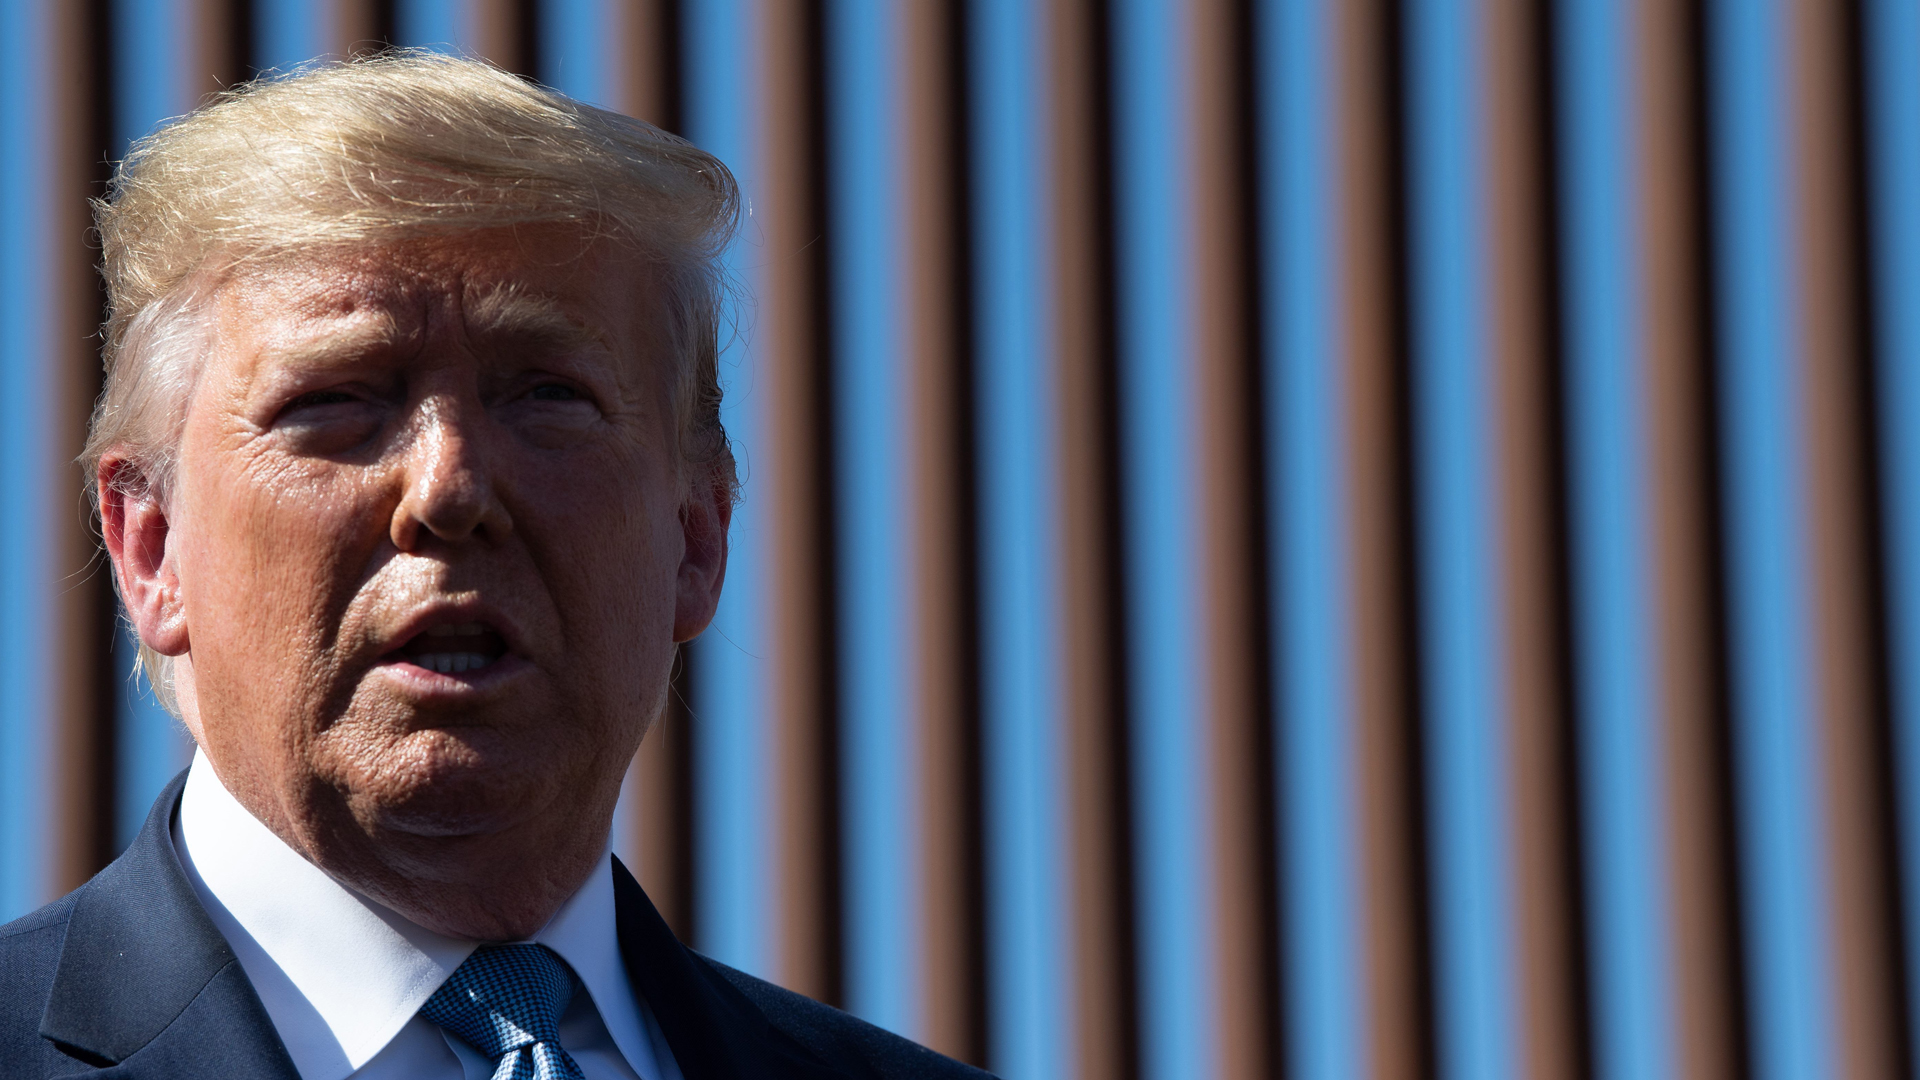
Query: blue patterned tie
x=505 y=1002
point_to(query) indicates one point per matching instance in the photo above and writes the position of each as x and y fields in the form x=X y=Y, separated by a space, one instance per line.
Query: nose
x=451 y=493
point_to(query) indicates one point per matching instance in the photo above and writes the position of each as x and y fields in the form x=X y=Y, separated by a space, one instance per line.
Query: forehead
x=540 y=282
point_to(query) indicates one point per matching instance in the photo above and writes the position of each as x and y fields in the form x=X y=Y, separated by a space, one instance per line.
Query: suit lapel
x=147 y=987
x=146 y=983
x=715 y=1032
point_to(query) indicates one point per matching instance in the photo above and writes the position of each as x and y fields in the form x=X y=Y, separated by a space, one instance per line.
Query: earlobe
x=134 y=524
x=704 y=518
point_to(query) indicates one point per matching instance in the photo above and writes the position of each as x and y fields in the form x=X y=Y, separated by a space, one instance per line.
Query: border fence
x=1308 y=538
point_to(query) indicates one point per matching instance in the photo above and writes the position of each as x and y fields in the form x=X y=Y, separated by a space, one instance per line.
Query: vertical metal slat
x=1776 y=749
x=1608 y=473
x=733 y=852
x=1167 y=707
x=1891 y=38
x=1315 y=759
x=1020 y=553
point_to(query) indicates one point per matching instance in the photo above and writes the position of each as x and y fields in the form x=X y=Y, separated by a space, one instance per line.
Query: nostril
x=452 y=509
x=449 y=490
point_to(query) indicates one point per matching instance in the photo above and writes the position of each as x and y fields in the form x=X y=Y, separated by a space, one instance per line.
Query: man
x=411 y=471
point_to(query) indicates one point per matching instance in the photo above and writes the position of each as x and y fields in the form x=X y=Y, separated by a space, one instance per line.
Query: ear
x=135 y=529
x=704 y=518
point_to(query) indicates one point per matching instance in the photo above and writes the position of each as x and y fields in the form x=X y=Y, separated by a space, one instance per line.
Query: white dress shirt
x=342 y=977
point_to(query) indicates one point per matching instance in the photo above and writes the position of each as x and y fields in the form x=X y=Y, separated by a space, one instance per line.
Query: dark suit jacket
x=127 y=977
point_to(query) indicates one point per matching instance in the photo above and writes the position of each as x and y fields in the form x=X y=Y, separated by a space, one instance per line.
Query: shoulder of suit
x=53 y=916
x=30 y=947
x=29 y=954
x=842 y=1038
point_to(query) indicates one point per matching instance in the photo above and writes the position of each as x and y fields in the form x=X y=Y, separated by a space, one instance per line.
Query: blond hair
x=402 y=144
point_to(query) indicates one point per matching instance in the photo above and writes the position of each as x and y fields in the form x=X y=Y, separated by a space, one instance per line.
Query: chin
x=441 y=783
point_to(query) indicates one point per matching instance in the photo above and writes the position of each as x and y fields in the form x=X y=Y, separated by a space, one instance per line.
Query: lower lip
x=421 y=682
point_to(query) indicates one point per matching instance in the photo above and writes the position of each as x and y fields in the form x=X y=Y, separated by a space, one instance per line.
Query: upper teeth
x=447 y=663
x=464 y=629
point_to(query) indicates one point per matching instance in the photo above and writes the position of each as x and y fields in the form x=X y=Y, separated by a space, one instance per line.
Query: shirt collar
x=585 y=933
x=339 y=974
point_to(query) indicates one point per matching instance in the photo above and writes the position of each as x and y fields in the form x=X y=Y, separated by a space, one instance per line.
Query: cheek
x=611 y=556
x=273 y=555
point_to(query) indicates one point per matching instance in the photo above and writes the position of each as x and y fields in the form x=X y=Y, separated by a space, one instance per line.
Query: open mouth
x=454 y=648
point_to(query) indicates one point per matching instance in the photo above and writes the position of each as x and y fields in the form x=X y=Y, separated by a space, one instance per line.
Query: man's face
x=433 y=552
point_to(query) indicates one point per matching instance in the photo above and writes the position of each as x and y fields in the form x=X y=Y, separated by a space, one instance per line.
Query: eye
x=322 y=397
x=549 y=410
x=554 y=392
x=331 y=421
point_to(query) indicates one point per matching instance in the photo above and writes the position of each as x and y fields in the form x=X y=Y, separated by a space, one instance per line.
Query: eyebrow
x=335 y=345
x=513 y=313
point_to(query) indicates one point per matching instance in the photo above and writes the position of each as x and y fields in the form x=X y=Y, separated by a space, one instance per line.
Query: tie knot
x=505 y=999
